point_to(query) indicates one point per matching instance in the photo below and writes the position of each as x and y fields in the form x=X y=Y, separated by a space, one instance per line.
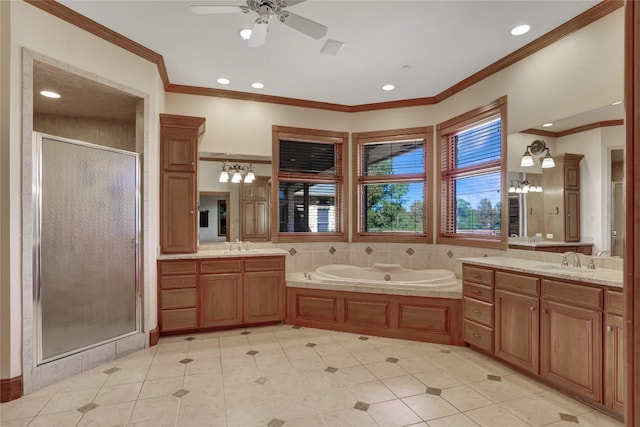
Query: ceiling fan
x=266 y=9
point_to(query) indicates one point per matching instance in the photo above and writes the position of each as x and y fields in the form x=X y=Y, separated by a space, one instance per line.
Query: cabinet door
x=614 y=381
x=179 y=149
x=221 y=299
x=178 y=205
x=572 y=212
x=571 y=348
x=264 y=296
x=516 y=329
x=248 y=220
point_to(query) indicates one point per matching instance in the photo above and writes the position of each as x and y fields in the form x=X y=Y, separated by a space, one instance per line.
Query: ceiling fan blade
x=290 y=3
x=215 y=8
x=258 y=34
x=302 y=24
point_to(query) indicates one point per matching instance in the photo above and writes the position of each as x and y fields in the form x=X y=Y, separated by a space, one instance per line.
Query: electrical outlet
x=549 y=236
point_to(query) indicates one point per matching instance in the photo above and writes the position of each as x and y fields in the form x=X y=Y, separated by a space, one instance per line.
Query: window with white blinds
x=392 y=180
x=308 y=173
x=472 y=151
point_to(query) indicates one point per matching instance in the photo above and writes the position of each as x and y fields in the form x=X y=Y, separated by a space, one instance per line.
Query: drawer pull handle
x=475 y=275
x=477 y=311
x=609 y=328
x=475 y=291
x=476 y=335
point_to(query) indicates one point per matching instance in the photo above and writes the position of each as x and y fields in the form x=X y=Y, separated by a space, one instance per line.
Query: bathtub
x=383 y=300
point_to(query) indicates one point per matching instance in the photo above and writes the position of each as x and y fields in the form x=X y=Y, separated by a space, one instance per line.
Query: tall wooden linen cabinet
x=179 y=137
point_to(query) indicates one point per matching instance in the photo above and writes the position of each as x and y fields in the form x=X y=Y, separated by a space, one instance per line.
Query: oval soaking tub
x=386 y=275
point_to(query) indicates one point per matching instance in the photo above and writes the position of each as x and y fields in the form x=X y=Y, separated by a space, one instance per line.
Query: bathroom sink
x=571 y=271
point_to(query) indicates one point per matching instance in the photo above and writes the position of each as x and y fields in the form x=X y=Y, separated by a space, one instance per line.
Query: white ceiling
x=422 y=47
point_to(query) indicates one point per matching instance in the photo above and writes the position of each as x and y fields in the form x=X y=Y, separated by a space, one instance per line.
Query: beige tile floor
x=299 y=377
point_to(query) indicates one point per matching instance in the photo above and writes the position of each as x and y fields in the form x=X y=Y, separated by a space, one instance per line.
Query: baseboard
x=154 y=336
x=10 y=389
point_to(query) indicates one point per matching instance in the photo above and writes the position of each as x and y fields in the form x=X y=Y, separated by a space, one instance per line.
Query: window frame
x=339 y=140
x=443 y=131
x=359 y=140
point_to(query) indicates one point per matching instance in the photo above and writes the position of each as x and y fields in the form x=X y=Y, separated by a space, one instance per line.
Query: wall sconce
x=238 y=173
x=537 y=147
x=524 y=187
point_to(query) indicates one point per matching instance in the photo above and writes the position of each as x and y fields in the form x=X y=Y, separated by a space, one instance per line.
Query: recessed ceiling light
x=50 y=94
x=616 y=103
x=257 y=85
x=520 y=30
x=547 y=125
x=245 y=33
x=388 y=87
x=223 y=81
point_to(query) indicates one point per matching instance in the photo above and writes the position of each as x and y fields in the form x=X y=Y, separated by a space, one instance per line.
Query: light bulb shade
x=539 y=189
x=548 y=161
x=237 y=177
x=527 y=159
x=250 y=176
x=518 y=190
x=224 y=176
x=512 y=189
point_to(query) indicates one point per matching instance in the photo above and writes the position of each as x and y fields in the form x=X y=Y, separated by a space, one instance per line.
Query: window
x=393 y=178
x=471 y=173
x=308 y=170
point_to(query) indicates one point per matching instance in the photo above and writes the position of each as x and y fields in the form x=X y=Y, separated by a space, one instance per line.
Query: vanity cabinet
x=562 y=198
x=214 y=293
x=614 y=357
x=568 y=333
x=516 y=319
x=179 y=137
x=571 y=337
x=477 y=307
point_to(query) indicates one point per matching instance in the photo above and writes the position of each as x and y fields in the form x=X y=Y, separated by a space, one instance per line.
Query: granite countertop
x=547 y=243
x=225 y=253
x=599 y=276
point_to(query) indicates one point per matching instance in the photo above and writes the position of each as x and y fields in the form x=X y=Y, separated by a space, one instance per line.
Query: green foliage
x=482 y=218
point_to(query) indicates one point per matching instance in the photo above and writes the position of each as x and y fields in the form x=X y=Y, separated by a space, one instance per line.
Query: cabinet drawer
x=478 y=335
x=168 y=282
x=478 y=311
x=264 y=264
x=222 y=265
x=477 y=274
x=186 y=318
x=177 y=267
x=475 y=290
x=517 y=282
x=573 y=294
x=179 y=298
x=613 y=302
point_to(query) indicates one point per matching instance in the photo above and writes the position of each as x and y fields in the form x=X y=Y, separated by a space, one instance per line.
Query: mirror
x=598 y=135
x=229 y=228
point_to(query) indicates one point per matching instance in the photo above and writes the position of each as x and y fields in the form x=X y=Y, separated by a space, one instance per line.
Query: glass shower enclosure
x=86 y=246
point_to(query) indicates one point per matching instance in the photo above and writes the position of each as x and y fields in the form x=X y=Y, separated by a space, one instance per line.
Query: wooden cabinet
x=571 y=337
x=178 y=295
x=178 y=182
x=516 y=320
x=477 y=306
x=614 y=358
x=562 y=198
x=255 y=210
x=215 y=293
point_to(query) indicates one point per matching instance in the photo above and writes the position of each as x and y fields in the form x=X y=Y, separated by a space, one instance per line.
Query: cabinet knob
x=532 y=308
x=544 y=311
x=476 y=335
x=609 y=328
x=191 y=212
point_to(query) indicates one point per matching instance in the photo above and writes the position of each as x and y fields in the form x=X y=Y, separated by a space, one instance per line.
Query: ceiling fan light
x=527 y=159
x=245 y=33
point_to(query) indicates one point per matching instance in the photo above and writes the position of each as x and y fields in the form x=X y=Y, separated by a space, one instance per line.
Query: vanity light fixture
x=537 y=147
x=237 y=172
x=524 y=187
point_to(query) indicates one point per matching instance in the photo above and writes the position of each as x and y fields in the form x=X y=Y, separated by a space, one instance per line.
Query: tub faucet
x=576 y=261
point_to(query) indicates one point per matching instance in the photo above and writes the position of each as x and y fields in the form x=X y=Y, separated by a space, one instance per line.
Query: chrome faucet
x=576 y=261
x=603 y=253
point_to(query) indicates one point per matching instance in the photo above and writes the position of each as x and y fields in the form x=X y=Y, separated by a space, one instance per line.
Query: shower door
x=86 y=251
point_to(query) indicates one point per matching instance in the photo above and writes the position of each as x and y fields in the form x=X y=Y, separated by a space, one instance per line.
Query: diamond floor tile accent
x=261 y=381
x=252 y=352
x=185 y=361
x=181 y=393
x=364 y=338
x=276 y=423
x=245 y=333
x=445 y=351
x=494 y=377
x=331 y=369
x=569 y=418
x=310 y=344
x=88 y=407
x=433 y=391
x=392 y=360
x=361 y=406
x=111 y=371
x=189 y=338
